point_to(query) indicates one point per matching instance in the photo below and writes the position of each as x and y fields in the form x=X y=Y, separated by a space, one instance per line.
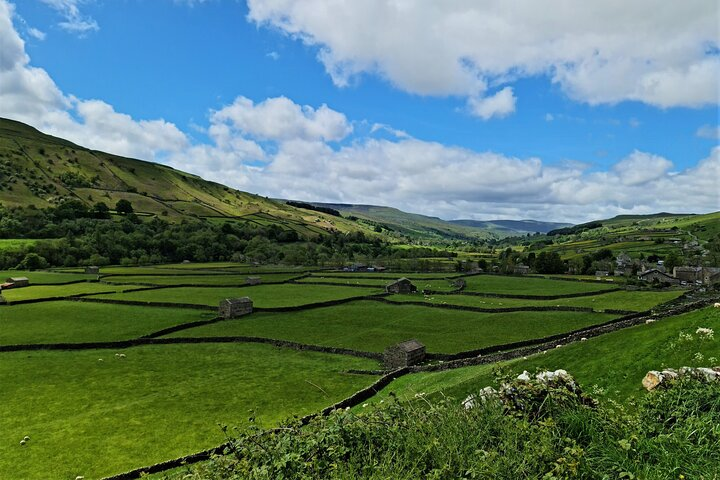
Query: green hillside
x=42 y=170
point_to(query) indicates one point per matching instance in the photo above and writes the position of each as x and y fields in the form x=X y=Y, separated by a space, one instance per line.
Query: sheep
x=22 y=442
x=717 y=305
x=583 y=339
x=26 y=438
x=649 y=321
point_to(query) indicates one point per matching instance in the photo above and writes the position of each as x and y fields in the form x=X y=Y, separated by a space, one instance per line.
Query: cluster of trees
x=77 y=235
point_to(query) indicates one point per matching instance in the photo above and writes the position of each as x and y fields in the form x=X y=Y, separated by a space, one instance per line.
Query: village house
x=402 y=285
x=404 y=354
x=655 y=275
x=710 y=275
x=235 y=307
x=687 y=274
x=16 y=282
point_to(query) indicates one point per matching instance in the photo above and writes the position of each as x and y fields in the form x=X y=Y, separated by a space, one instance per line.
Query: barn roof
x=235 y=301
x=409 y=345
x=400 y=280
x=18 y=279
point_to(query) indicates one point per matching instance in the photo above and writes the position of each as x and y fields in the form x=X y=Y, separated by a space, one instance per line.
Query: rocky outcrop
x=665 y=378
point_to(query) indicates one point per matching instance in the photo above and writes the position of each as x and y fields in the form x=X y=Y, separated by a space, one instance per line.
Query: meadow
x=372 y=326
x=96 y=412
x=285 y=295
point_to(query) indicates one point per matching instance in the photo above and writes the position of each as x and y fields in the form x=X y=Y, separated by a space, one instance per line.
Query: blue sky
x=558 y=127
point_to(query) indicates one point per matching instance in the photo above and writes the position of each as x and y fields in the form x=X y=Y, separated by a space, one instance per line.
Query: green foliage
x=32 y=261
x=438 y=440
x=123 y=207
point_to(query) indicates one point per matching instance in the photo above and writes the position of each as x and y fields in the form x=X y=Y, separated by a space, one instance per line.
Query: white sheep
x=649 y=321
x=26 y=438
x=717 y=305
x=583 y=339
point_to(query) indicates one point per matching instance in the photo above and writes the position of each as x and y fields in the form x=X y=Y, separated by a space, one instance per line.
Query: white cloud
x=36 y=34
x=28 y=94
x=279 y=148
x=549 y=117
x=639 y=168
x=598 y=52
x=708 y=131
x=281 y=119
x=74 y=21
x=498 y=105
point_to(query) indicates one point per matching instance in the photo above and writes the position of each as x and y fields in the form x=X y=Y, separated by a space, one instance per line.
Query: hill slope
x=42 y=170
x=512 y=227
x=416 y=226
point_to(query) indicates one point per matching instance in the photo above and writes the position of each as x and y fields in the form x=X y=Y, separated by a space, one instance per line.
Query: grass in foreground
x=286 y=295
x=534 y=432
x=76 y=322
x=372 y=326
x=96 y=418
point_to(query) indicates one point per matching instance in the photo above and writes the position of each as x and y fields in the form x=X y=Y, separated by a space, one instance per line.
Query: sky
x=552 y=110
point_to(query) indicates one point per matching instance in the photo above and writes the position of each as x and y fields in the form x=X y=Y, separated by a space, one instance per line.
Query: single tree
x=123 y=207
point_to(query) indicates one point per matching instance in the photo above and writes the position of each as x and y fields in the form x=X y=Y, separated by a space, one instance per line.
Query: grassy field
x=75 y=322
x=615 y=362
x=50 y=291
x=95 y=418
x=372 y=326
x=286 y=295
x=624 y=300
x=199 y=279
x=47 y=277
x=529 y=285
x=420 y=283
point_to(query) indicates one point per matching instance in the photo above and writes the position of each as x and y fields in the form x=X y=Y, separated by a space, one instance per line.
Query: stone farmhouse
x=404 y=354
x=521 y=269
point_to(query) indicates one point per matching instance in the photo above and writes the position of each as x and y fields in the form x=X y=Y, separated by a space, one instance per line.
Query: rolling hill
x=42 y=170
x=416 y=226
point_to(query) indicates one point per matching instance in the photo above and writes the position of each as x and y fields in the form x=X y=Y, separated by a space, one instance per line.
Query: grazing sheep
x=717 y=305
x=649 y=321
x=22 y=442
x=26 y=438
x=583 y=339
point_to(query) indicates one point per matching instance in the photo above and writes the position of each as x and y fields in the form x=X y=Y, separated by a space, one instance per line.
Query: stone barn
x=235 y=307
x=402 y=285
x=521 y=270
x=253 y=280
x=404 y=354
x=92 y=270
x=16 y=282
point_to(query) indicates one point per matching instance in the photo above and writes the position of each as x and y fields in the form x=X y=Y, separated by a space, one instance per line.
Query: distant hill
x=418 y=226
x=42 y=170
x=512 y=227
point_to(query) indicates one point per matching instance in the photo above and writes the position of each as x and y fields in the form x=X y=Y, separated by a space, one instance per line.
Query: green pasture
x=233 y=280
x=77 y=322
x=529 y=285
x=95 y=418
x=284 y=295
x=386 y=275
x=50 y=291
x=615 y=362
x=624 y=300
x=372 y=326
x=41 y=276
x=421 y=283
